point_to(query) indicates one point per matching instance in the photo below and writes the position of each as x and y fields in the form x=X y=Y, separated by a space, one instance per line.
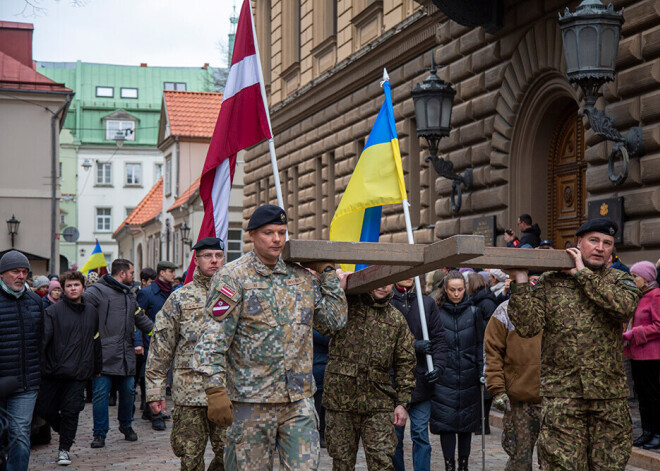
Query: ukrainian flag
x=376 y=180
x=96 y=260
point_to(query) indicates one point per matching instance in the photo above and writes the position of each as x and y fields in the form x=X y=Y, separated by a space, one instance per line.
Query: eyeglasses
x=209 y=256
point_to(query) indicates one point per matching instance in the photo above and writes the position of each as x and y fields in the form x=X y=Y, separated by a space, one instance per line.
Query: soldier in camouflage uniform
x=585 y=417
x=358 y=392
x=256 y=352
x=177 y=329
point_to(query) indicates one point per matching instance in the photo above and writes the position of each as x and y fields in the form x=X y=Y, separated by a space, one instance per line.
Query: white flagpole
x=271 y=142
x=418 y=285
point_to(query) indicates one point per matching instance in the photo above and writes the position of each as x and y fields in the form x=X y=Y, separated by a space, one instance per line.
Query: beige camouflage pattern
x=260 y=348
x=176 y=331
x=581 y=435
x=581 y=317
x=191 y=429
x=259 y=429
x=521 y=426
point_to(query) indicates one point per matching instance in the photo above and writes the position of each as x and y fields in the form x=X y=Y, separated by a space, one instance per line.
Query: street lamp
x=590 y=38
x=185 y=233
x=12 y=225
x=433 y=100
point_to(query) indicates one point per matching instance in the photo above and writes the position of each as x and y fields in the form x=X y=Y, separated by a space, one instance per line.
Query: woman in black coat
x=456 y=405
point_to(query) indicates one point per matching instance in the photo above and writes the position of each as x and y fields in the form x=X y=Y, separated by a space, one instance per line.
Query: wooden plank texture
x=369 y=253
x=446 y=252
x=533 y=259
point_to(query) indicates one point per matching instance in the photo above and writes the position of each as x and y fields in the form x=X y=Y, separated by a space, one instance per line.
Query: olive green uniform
x=358 y=392
x=585 y=422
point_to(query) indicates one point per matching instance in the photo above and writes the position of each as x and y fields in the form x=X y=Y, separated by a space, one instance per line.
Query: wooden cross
x=392 y=262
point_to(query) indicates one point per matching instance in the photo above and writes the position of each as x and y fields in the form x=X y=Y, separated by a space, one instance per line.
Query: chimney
x=143 y=64
x=16 y=41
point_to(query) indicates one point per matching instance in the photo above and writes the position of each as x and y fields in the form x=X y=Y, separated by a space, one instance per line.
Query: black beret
x=266 y=214
x=209 y=243
x=603 y=225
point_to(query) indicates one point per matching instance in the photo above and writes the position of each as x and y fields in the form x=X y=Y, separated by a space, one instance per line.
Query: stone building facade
x=515 y=116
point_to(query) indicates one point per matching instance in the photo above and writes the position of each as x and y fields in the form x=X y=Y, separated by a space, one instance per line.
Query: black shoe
x=167 y=416
x=112 y=401
x=450 y=465
x=462 y=464
x=643 y=439
x=98 y=442
x=147 y=414
x=654 y=444
x=158 y=422
x=129 y=433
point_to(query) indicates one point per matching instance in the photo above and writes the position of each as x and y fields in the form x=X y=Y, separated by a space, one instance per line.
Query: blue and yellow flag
x=376 y=180
x=95 y=260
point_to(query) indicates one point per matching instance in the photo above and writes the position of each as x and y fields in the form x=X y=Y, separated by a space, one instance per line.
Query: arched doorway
x=566 y=173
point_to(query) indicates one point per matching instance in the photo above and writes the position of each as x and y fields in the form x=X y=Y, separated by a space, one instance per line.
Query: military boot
x=450 y=465
x=462 y=464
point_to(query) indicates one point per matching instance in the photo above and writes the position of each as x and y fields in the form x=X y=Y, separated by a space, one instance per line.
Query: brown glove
x=318 y=267
x=219 y=406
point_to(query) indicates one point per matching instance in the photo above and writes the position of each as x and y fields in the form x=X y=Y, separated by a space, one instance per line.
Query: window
x=168 y=175
x=133 y=174
x=62 y=221
x=179 y=86
x=119 y=130
x=158 y=172
x=104 y=173
x=105 y=92
x=176 y=248
x=129 y=211
x=290 y=32
x=234 y=244
x=128 y=92
x=103 y=219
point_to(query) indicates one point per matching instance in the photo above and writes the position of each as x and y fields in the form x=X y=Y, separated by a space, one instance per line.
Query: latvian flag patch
x=220 y=308
x=226 y=291
x=224 y=304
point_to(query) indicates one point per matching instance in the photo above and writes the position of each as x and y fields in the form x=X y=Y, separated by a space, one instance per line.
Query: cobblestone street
x=152 y=450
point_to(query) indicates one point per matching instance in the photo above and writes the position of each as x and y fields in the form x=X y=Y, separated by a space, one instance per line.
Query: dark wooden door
x=567 y=169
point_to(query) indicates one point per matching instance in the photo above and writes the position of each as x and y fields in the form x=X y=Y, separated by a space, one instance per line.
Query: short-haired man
x=71 y=354
x=177 y=329
x=118 y=314
x=151 y=300
x=256 y=352
x=21 y=318
x=586 y=420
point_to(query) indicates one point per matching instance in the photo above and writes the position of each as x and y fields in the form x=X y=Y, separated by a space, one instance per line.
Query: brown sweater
x=512 y=363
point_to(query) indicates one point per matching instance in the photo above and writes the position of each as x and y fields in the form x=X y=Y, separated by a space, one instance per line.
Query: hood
x=482 y=294
x=201 y=280
x=535 y=229
x=109 y=281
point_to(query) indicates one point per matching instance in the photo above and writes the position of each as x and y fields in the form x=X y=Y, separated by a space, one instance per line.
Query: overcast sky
x=158 y=32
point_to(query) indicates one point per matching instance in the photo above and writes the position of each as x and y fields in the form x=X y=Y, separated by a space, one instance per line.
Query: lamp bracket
x=445 y=168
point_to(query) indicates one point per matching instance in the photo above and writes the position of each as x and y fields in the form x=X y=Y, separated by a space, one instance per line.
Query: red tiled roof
x=147 y=209
x=192 y=114
x=186 y=196
x=15 y=75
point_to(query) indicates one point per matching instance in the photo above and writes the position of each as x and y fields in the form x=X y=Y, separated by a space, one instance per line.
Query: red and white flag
x=242 y=123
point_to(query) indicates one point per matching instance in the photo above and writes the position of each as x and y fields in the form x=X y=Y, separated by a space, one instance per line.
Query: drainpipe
x=178 y=165
x=54 y=265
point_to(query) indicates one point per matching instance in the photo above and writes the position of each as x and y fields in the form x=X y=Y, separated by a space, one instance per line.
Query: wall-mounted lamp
x=12 y=225
x=87 y=164
x=185 y=234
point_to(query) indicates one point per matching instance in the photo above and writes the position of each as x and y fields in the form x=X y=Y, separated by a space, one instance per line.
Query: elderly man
x=21 y=318
x=257 y=350
x=586 y=421
x=178 y=327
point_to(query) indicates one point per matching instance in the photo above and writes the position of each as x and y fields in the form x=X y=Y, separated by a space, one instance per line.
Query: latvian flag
x=242 y=123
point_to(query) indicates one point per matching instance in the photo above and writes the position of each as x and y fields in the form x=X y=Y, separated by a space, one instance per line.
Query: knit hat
x=13 y=259
x=485 y=275
x=40 y=281
x=53 y=284
x=646 y=270
x=498 y=274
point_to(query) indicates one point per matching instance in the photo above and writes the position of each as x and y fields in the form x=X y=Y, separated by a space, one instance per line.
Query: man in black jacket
x=21 y=318
x=71 y=354
x=118 y=314
x=419 y=410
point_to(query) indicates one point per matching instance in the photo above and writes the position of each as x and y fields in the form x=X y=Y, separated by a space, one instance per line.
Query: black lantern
x=185 y=233
x=433 y=100
x=12 y=225
x=591 y=41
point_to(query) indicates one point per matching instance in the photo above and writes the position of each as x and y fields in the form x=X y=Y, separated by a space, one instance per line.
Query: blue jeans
x=19 y=407
x=419 y=414
x=126 y=389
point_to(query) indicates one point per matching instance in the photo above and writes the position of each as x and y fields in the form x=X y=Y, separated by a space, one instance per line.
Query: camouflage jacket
x=176 y=332
x=581 y=317
x=376 y=339
x=259 y=342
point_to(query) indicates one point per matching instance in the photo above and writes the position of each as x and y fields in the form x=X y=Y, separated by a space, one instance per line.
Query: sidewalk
x=152 y=450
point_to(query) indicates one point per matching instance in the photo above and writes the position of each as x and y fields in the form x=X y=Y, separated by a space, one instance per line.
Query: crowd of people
x=263 y=356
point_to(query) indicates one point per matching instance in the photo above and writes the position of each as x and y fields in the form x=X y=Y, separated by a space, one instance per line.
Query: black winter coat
x=456 y=406
x=486 y=302
x=407 y=304
x=70 y=349
x=531 y=236
x=21 y=327
x=151 y=299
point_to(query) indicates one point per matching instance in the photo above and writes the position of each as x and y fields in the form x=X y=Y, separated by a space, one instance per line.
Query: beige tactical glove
x=501 y=401
x=219 y=406
x=318 y=267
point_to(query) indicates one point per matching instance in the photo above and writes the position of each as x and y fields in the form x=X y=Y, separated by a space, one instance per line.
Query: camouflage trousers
x=191 y=429
x=585 y=434
x=259 y=429
x=343 y=431
x=521 y=429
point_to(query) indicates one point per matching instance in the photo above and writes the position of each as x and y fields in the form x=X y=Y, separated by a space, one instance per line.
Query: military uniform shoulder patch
x=628 y=283
x=227 y=300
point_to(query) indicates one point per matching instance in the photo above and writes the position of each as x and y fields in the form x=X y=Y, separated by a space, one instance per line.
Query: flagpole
x=271 y=142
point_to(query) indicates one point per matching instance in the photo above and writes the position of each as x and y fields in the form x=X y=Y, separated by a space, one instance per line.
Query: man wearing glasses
x=178 y=326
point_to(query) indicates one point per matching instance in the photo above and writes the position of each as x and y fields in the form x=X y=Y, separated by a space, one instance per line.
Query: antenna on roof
x=233 y=21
